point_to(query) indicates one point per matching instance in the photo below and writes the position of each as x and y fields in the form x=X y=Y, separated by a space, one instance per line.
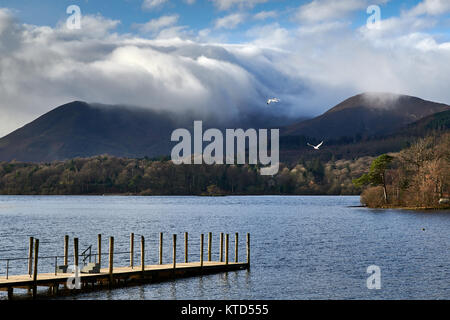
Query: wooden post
x=201 y=249
x=75 y=251
x=66 y=250
x=30 y=257
x=111 y=260
x=236 y=244
x=99 y=249
x=186 y=247
x=35 y=271
x=10 y=293
x=221 y=247
x=132 y=250
x=174 y=251
x=142 y=253
x=227 y=239
x=248 y=249
x=55 y=289
x=160 y=248
x=209 y=245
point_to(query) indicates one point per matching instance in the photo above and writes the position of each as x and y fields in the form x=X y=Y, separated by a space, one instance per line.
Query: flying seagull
x=273 y=100
x=315 y=147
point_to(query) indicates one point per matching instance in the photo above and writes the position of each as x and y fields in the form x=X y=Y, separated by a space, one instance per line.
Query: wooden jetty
x=97 y=278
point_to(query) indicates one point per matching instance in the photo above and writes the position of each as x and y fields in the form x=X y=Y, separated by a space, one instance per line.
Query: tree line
x=418 y=176
x=112 y=175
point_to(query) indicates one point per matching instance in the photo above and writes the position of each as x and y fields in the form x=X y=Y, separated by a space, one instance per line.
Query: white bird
x=273 y=100
x=315 y=147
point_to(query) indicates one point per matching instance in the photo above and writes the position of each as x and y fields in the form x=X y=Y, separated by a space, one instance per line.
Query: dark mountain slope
x=78 y=129
x=436 y=122
x=366 y=114
x=294 y=147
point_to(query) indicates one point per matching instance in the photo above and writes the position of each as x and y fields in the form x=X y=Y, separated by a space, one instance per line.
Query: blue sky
x=218 y=58
x=197 y=16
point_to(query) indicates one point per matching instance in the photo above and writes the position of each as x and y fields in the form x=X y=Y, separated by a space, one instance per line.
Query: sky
x=219 y=58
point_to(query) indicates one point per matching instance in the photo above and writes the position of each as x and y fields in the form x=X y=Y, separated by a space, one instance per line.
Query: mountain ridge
x=80 y=129
x=366 y=114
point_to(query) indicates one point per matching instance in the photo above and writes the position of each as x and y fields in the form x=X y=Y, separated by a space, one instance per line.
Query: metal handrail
x=87 y=256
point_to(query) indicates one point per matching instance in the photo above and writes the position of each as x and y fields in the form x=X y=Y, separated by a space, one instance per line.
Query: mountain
x=436 y=122
x=78 y=129
x=366 y=115
x=294 y=148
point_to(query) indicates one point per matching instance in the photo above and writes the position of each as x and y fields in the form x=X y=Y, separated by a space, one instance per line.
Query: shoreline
x=187 y=195
x=445 y=208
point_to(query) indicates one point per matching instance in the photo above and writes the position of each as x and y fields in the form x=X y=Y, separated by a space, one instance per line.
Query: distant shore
x=427 y=208
x=438 y=208
x=189 y=195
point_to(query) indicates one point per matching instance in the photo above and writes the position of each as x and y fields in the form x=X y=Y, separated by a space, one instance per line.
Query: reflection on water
x=173 y=290
x=302 y=247
x=201 y=289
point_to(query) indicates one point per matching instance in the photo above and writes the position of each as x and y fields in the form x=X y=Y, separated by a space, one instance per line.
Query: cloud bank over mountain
x=310 y=66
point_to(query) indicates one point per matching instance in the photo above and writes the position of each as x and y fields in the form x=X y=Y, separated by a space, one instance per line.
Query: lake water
x=303 y=247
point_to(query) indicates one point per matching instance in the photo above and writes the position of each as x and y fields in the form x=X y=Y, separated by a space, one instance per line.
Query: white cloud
x=263 y=15
x=152 y=4
x=431 y=7
x=230 y=21
x=322 y=10
x=394 y=27
x=270 y=36
x=155 y=25
x=228 y=4
x=161 y=74
x=204 y=32
x=423 y=16
x=174 y=32
x=310 y=68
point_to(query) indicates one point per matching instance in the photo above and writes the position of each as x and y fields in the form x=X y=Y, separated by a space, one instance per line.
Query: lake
x=303 y=247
